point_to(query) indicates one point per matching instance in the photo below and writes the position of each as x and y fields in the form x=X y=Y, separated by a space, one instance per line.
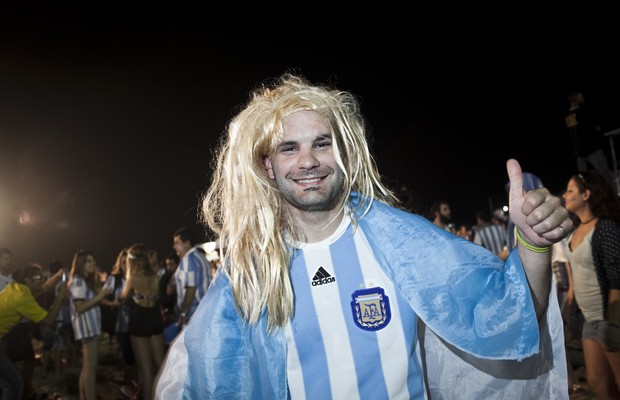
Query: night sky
x=106 y=129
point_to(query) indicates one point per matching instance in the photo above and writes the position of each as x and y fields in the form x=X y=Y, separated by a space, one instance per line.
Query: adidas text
x=323 y=281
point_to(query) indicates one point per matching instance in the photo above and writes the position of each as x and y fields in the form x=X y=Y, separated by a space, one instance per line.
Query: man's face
x=35 y=283
x=180 y=247
x=444 y=213
x=171 y=265
x=6 y=263
x=304 y=167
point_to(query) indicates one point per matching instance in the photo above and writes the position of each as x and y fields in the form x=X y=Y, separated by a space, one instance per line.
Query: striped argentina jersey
x=352 y=336
x=492 y=237
x=88 y=323
x=193 y=271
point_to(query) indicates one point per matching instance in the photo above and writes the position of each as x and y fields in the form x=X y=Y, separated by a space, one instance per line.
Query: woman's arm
x=84 y=305
x=127 y=288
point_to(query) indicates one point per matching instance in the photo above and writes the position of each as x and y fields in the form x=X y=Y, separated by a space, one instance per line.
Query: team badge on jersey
x=371 y=309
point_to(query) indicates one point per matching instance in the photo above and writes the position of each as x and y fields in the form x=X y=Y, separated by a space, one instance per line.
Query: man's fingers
x=515 y=175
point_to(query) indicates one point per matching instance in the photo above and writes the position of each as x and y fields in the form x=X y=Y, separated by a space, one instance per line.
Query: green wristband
x=531 y=247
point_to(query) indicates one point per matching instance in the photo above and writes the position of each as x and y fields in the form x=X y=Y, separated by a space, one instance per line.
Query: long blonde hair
x=244 y=208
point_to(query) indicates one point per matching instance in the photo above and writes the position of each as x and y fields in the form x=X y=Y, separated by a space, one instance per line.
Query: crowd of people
x=140 y=306
x=586 y=266
x=329 y=287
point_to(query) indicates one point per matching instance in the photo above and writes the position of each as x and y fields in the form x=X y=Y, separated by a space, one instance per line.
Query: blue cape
x=478 y=327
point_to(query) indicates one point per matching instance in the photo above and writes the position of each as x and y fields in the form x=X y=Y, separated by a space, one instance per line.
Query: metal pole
x=611 y=135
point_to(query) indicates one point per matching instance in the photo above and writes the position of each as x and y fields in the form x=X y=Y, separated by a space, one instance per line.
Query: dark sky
x=107 y=125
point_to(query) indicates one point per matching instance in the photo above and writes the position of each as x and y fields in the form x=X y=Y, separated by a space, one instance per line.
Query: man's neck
x=316 y=226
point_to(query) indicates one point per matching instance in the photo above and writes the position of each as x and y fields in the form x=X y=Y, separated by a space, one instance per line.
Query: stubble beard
x=313 y=199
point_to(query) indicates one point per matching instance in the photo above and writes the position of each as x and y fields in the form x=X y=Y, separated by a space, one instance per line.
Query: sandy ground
x=110 y=376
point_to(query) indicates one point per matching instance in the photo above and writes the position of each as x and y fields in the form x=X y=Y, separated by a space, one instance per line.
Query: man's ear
x=268 y=167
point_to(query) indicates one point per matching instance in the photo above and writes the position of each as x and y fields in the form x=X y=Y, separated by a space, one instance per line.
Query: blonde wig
x=243 y=206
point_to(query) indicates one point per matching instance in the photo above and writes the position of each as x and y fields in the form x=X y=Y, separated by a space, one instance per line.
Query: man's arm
x=541 y=220
x=188 y=300
x=53 y=311
x=538 y=270
x=50 y=284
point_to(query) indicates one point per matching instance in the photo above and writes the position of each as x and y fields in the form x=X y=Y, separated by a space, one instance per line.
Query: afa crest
x=371 y=309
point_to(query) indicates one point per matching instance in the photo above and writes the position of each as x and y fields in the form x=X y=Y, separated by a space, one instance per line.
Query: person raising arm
x=328 y=289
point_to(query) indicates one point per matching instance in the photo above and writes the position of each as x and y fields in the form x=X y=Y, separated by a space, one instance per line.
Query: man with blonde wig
x=327 y=290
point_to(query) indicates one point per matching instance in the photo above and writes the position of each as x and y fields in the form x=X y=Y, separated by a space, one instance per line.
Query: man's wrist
x=530 y=246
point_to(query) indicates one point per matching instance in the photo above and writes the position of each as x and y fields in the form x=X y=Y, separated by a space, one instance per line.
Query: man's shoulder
x=194 y=255
x=16 y=292
x=384 y=216
x=18 y=288
x=491 y=227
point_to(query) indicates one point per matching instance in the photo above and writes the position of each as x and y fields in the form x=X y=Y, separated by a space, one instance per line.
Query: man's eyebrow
x=325 y=136
x=287 y=143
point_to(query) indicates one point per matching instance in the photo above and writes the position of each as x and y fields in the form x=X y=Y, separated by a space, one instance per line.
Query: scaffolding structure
x=614 y=161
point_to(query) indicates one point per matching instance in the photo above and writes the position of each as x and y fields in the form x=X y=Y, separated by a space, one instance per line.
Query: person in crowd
x=324 y=279
x=491 y=234
x=45 y=331
x=593 y=251
x=157 y=266
x=6 y=267
x=19 y=340
x=63 y=344
x=193 y=275
x=564 y=287
x=116 y=283
x=85 y=296
x=465 y=231
x=109 y=310
x=168 y=290
x=441 y=214
x=17 y=301
x=146 y=326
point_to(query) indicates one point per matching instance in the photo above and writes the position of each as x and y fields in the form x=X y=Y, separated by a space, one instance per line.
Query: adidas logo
x=322 y=277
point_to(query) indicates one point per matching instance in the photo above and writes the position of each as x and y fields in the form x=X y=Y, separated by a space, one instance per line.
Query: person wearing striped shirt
x=491 y=235
x=328 y=290
x=193 y=275
x=85 y=296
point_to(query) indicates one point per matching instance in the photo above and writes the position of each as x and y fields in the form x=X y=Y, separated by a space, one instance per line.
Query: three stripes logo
x=322 y=277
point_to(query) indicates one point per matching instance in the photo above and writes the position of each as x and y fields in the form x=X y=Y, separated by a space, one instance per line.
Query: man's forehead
x=303 y=116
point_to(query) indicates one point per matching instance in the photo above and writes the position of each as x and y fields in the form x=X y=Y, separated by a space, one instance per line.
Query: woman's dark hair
x=604 y=203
